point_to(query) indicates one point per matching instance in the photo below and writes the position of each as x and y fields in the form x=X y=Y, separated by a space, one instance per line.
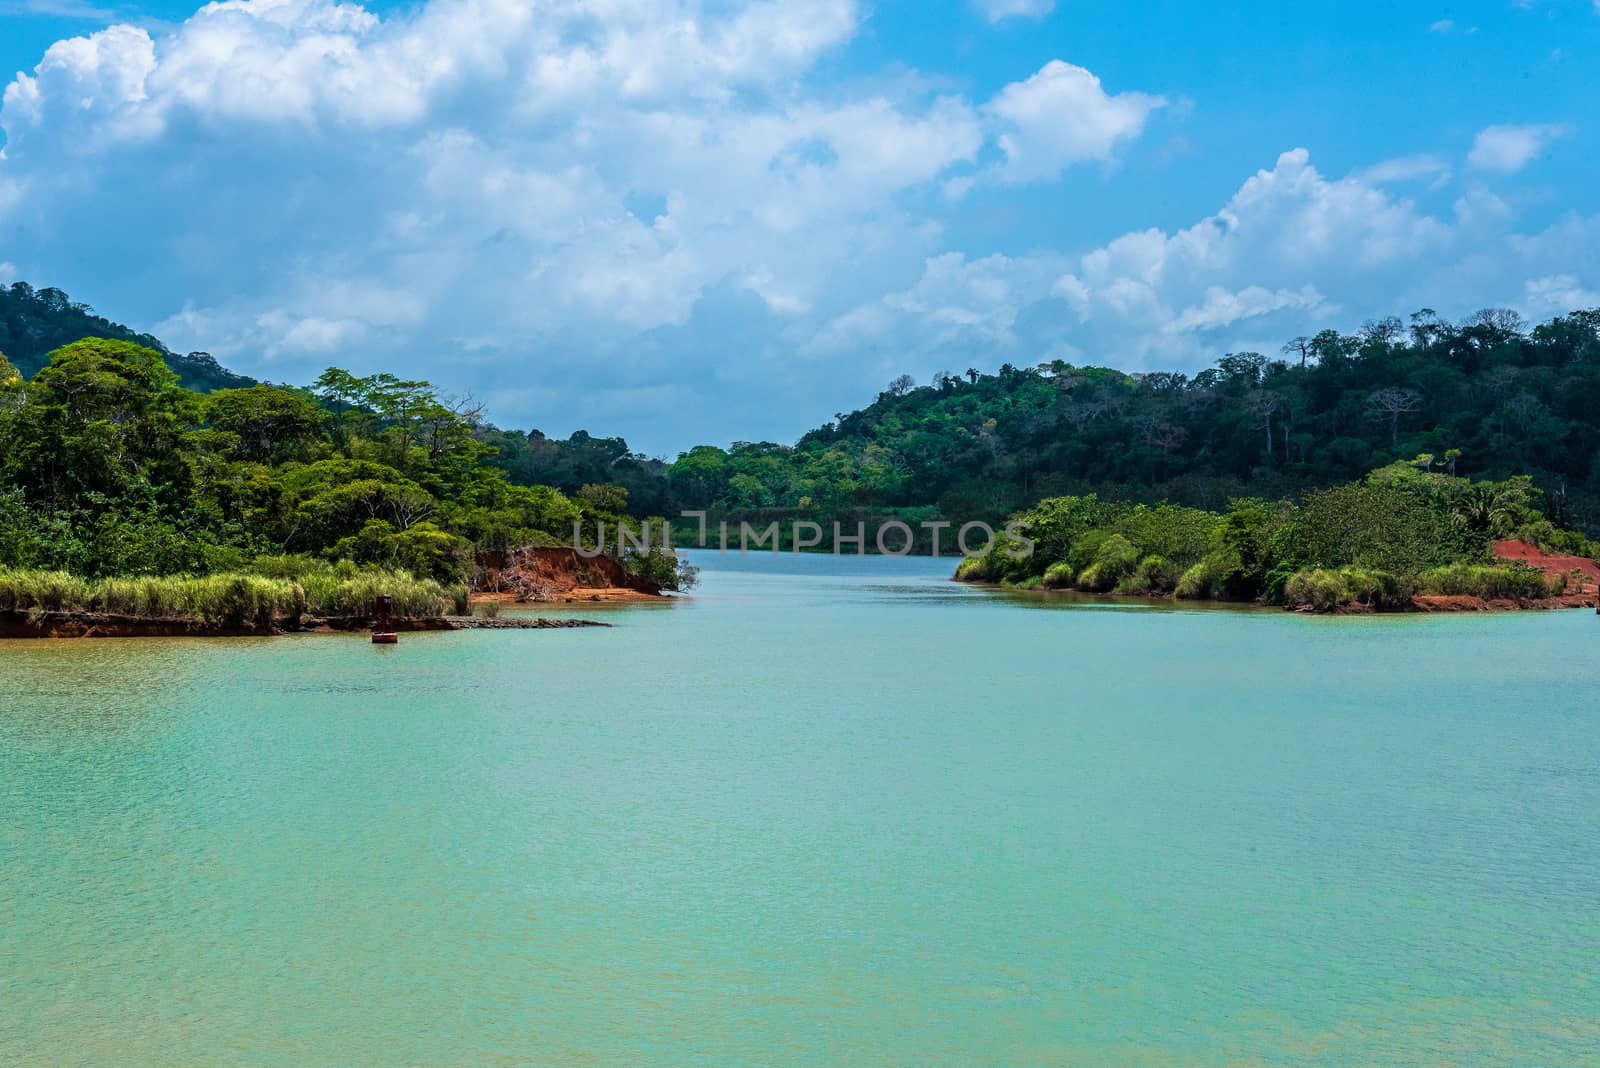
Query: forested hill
x=1489 y=397
x=34 y=322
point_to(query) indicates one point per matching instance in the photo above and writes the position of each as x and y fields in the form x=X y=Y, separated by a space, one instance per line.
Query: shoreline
x=1555 y=566
x=1421 y=604
x=25 y=626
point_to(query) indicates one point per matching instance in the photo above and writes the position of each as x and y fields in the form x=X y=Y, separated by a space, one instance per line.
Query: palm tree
x=1483 y=508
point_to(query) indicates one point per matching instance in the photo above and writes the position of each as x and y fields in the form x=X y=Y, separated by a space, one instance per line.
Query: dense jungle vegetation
x=109 y=468
x=1488 y=397
x=1406 y=529
x=118 y=458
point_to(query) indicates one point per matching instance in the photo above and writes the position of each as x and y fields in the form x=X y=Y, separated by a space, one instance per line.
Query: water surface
x=824 y=812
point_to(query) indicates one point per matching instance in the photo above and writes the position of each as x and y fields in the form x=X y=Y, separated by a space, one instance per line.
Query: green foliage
x=257 y=601
x=1367 y=543
x=1155 y=574
x=33 y=322
x=661 y=567
x=1484 y=396
x=1114 y=560
x=1515 y=582
x=1204 y=581
x=1058 y=576
x=1381 y=525
x=1325 y=590
x=109 y=468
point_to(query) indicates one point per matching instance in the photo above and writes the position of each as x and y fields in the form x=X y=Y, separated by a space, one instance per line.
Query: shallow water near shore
x=824 y=811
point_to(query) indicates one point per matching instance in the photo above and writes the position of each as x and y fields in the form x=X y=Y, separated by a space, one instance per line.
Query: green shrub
x=977 y=569
x=1206 y=580
x=1155 y=574
x=346 y=597
x=234 y=599
x=1114 y=561
x=1515 y=582
x=1058 y=576
x=1318 y=589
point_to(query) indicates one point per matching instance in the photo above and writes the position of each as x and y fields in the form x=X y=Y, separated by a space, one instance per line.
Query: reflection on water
x=820 y=811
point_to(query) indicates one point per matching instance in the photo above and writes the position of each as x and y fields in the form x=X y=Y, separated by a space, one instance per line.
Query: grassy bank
x=253 y=600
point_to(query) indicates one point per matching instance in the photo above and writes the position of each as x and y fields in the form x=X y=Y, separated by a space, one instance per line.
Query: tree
x=271 y=423
x=1243 y=367
x=1300 y=346
x=1265 y=405
x=1392 y=403
x=901 y=385
x=609 y=499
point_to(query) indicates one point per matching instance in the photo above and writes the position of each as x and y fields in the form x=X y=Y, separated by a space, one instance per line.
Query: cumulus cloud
x=1292 y=251
x=1508 y=149
x=1557 y=294
x=650 y=217
x=997 y=10
x=1061 y=116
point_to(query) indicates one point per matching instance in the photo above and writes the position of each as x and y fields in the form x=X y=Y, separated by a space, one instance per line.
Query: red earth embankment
x=1582 y=576
x=555 y=573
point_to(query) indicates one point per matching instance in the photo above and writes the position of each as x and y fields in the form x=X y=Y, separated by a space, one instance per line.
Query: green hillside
x=35 y=322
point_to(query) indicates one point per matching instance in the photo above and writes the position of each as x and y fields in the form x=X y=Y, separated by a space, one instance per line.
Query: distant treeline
x=1488 y=397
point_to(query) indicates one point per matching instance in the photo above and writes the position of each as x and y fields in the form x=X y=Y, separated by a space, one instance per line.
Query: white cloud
x=1433 y=169
x=1061 y=116
x=653 y=216
x=1442 y=26
x=998 y=10
x=1557 y=294
x=1291 y=252
x=8 y=272
x=1508 y=149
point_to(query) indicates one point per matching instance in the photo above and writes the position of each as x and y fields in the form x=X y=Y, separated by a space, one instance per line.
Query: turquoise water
x=824 y=812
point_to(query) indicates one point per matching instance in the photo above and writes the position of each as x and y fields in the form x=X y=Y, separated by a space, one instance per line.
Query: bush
x=1516 y=582
x=1155 y=574
x=1318 y=589
x=1115 y=561
x=1206 y=580
x=977 y=569
x=1058 y=576
x=1323 y=589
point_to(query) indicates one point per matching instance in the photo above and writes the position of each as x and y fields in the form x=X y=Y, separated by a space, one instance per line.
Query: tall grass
x=1515 y=582
x=240 y=600
x=414 y=598
x=1325 y=589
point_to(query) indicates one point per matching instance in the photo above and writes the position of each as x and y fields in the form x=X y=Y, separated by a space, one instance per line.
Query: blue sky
x=690 y=221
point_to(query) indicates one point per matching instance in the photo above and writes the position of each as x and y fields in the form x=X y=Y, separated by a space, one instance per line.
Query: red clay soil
x=1550 y=564
x=1584 y=593
x=555 y=573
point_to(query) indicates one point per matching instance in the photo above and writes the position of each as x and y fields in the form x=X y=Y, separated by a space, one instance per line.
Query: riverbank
x=546 y=574
x=1524 y=578
x=22 y=625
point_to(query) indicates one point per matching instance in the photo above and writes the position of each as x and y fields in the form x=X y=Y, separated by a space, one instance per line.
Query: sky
x=702 y=221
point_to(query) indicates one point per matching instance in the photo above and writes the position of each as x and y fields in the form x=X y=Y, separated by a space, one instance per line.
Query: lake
x=824 y=811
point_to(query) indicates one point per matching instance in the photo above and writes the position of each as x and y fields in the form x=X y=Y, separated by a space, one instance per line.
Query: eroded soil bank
x=540 y=574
